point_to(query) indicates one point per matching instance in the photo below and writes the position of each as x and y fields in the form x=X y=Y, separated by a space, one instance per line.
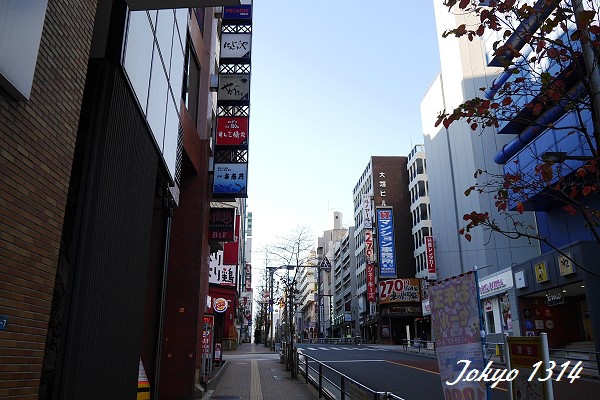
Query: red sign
x=399 y=290
x=431 y=275
x=231 y=250
x=232 y=131
x=207 y=334
x=371 y=287
x=369 y=245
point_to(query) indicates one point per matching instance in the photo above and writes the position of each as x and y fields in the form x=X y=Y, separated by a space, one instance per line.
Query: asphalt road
x=409 y=376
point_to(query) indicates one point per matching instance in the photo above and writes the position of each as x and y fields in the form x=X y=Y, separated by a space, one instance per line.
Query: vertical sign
x=367 y=211
x=430 y=252
x=371 y=287
x=369 y=245
x=524 y=353
x=385 y=230
x=456 y=331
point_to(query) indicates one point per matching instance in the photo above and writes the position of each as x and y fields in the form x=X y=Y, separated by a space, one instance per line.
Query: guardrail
x=332 y=384
x=342 y=340
x=589 y=360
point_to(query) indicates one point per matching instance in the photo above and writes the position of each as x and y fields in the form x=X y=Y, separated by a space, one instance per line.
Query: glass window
x=157 y=100
x=138 y=54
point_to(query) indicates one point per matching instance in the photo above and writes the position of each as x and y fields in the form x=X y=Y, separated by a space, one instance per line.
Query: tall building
x=106 y=121
x=454 y=154
x=386 y=287
x=345 y=301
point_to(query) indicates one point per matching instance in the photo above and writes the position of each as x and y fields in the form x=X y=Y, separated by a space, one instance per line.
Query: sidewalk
x=255 y=373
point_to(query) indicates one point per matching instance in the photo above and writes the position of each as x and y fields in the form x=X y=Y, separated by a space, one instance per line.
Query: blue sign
x=230 y=179
x=385 y=234
x=238 y=12
x=3 y=322
x=529 y=324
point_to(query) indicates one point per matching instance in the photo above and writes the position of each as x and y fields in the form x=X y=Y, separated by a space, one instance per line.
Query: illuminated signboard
x=235 y=45
x=385 y=230
x=232 y=131
x=230 y=179
x=234 y=87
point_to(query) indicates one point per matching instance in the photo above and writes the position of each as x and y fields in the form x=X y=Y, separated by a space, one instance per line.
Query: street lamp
x=561 y=156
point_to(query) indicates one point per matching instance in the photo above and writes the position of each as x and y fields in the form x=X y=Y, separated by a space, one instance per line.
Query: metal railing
x=419 y=345
x=342 y=340
x=590 y=360
x=332 y=384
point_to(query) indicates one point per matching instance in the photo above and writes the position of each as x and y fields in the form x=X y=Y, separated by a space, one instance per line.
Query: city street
x=412 y=376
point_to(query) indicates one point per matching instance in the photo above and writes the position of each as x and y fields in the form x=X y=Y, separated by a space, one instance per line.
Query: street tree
x=548 y=50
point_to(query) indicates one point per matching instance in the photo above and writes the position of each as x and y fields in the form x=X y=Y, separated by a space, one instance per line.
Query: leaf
x=463 y=4
x=468 y=236
x=588 y=189
x=462 y=231
x=506 y=101
x=520 y=207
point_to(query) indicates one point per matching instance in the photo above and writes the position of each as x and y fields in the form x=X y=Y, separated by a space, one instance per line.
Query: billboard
x=456 y=330
x=219 y=273
x=369 y=245
x=230 y=179
x=237 y=13
x=385 y=234
x=232 y=131
x=235 y=45
x=234 y=87
x=399 y=291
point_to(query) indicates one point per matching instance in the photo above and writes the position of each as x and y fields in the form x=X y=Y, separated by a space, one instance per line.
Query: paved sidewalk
x=254 y=372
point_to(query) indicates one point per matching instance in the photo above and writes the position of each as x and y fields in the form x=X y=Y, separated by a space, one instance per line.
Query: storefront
x=497 y=294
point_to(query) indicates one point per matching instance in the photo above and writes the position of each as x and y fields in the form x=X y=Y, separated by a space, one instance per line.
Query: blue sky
x=333 y=83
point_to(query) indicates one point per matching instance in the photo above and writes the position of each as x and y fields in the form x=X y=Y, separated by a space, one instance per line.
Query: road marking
x=255 y=389
x=431 y=372
x=324 y=348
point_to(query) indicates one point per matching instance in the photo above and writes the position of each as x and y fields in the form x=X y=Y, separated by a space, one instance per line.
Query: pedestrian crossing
x=339 y=348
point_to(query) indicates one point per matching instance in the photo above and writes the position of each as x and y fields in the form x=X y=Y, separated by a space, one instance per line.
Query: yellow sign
x=565 y=265
x=541 y=273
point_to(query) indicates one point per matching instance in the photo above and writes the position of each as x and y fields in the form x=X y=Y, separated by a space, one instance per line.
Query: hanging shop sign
x=399 y=290
x=235 y=45
x=430 y=253
x=565 y=265
x=221 y=223
x=232 y=131
x=237 y=13
x=231 y=250
x=230 y=179
x=385 y=231
x=223 y=275
x=369 y=245
x=367 y=211
x=220 y=305
x=494 y=285
x=371 y=286
x=234 y=87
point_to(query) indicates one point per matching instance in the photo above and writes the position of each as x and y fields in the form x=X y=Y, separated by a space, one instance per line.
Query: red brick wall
x=37 y=139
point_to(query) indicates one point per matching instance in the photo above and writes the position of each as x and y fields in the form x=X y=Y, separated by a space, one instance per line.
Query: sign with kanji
x=399 y=290
x=369 y=245
x=232 y=131
x=221 y=223
x=524 y=353
x=457 y=334
x=220 y=274
x=385 y=231
x=371 y=285
x=430 y=253
x=230 y=179
x=541 y=272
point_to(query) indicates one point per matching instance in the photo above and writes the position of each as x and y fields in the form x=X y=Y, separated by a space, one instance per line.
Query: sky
x=332 y=83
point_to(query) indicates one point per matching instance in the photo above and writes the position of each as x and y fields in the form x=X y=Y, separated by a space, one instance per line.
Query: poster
x=457 y=334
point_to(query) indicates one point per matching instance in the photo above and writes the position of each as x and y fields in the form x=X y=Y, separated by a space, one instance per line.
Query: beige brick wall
x=37 y=140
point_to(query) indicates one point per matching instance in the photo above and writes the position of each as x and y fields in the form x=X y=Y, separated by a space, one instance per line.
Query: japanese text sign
x=234 y=87
x=230 y=179
x=371 y=286
x=220 y=274
x=221 y=223
x=235 y=45
x=399 y=290
x=430 y=252
x=369 y=245
x=385 y=230
x=232 y=131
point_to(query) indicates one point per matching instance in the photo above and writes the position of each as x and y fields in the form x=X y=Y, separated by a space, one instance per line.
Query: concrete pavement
x=253 y=372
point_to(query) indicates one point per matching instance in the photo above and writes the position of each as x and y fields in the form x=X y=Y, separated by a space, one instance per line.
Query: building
x=453 y=156
x=386 y=287
x=307 y=318
x=345 y=301
x=105 y=130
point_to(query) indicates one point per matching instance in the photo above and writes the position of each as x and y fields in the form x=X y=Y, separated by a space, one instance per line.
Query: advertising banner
x=232 y=131
x=219 y=274
x=367 y=211
x=399 y=290
x=237 y=13
x=207 y=334
x=385 y=232
x=371 y=286
x=235 y=45
x=230 y=179
x=456 y=330
x=369 y=245
x=234 y=87
x=231 y=250
x=430 y=253
x=221 y=224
